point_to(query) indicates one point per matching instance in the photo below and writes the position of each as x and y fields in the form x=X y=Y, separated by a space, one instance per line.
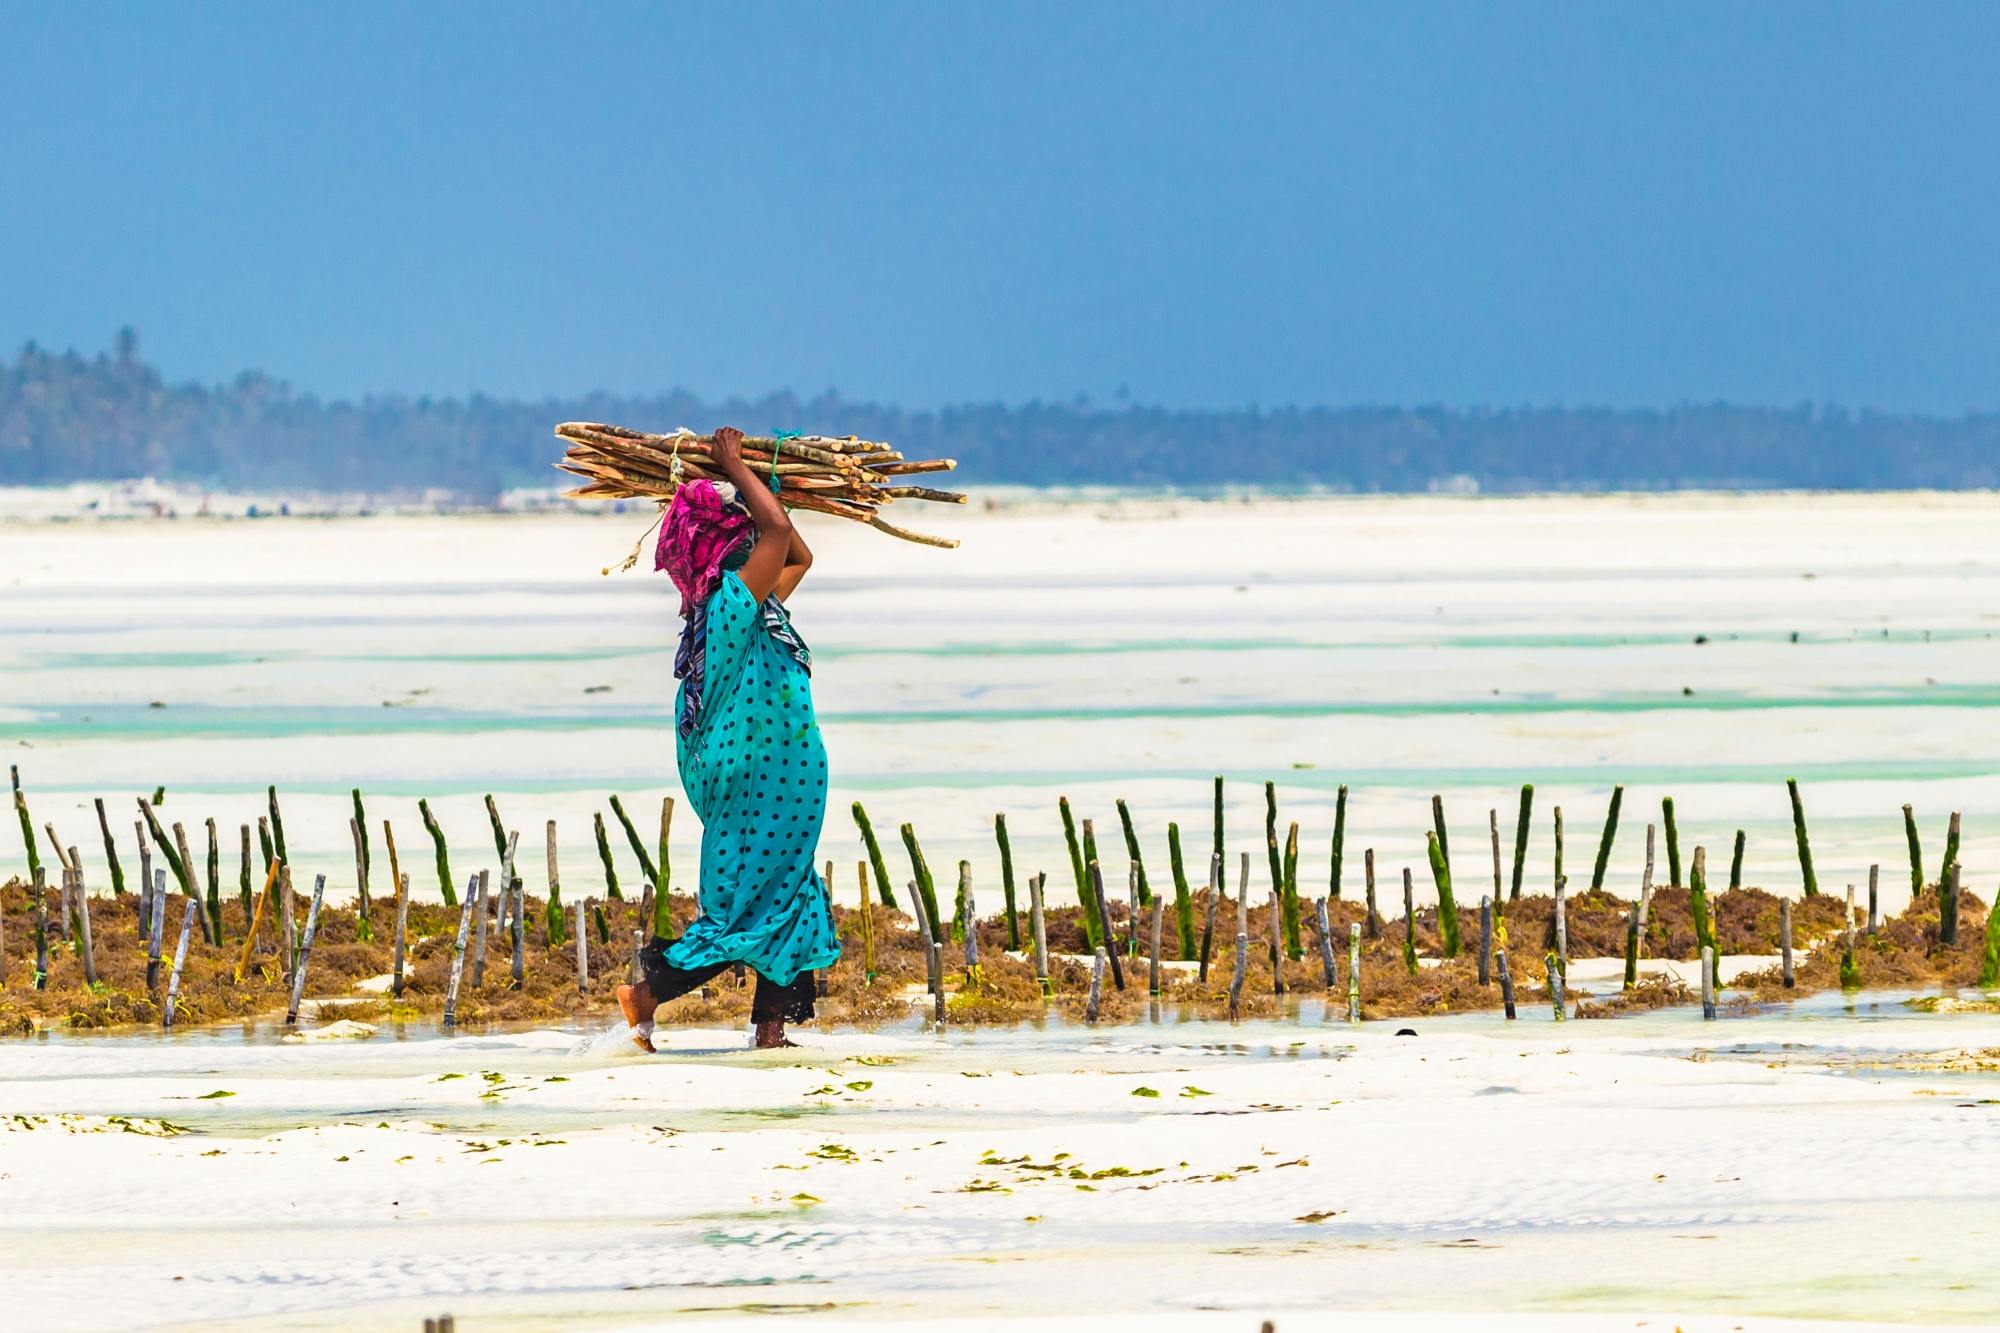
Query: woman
x=751 y=759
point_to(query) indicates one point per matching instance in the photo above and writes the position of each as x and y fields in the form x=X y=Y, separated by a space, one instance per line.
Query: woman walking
x=751 y=759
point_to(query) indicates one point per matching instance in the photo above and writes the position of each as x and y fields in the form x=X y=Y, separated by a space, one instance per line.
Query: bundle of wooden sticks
x=846 y=477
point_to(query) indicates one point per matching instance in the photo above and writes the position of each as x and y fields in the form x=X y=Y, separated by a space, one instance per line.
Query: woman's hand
x=727 y=449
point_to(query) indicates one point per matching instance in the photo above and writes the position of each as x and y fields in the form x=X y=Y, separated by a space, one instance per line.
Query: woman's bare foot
x=771 y=1036
x=636 y=1003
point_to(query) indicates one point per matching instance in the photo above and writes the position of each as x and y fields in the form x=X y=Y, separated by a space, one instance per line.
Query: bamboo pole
x=188 y=915
x=305 y=951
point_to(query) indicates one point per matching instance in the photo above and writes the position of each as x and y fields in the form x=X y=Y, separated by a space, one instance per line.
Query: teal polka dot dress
x=754 y=768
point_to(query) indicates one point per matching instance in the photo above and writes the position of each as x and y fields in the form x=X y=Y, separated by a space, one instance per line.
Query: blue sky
x=1205 y=206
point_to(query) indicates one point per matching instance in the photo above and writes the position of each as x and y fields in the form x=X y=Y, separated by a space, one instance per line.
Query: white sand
x=1593 y=1169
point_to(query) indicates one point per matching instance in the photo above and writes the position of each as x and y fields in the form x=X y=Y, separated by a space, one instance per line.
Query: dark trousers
x=771 y=1004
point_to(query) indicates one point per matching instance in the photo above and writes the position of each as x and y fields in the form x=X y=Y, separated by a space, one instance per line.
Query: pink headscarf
x=696 y=537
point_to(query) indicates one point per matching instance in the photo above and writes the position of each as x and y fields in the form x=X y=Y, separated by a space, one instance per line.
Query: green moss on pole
x=1085 y=900
x=1521 y=837
x=926 y=887
x=1216 y=849
x=277 y=826
x=27 y=825
x=214 y=884
x=1007 y=880
x=646 y=866
x=1704 y=921
x=1673 y=836
x=110 y=852
x=611 y=888
x=1557 y=811
x=1916 y=853
x=1950 y=845
x=1805 y=845
x=1339 y=841
x=875 y=861
x=1132 y=851
x=1437 y=823
x=1447 y=901
x=1736 y=862
x=1409 y=925
x=437 y=841
x=167 y=851
x=1271 y=846
x=663 y=911
x=1183 y=897
x=1604 y=843
x=1989 y=966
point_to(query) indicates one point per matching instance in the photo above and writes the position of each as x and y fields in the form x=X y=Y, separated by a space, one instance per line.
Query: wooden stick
x=1038 y=925
x=188 y=915
x=1277 y=942
x=1708 y=984
x=1090 y=1005
x=1562 y=929
x=243 y=881
x=971 y=919
x=1874 y=902
x=1805 y=846
x=156 y=921
x=1208 y=921
x=1631 y=946
x=1785 y=942
x=1506 y=983
x=1486 y=936
x=443 y=858
x=188 y=885
x=256 y=920
x=481 y=883
x=663 y=911
x=1555 y=976
x=1948 y=905
x=1521 y=838
x=458 y=951
x=1135 y=893
x=145 y=879
x=289 y=909
x=1604 y=844
x=402 y=930
x=1325 y=943
x=359 y=835
x=582 y=949
x=1409 y=923
x=1916 y=854
x=1374 y=916
x=1339 y=842
x=554 y=911
x=867 y=923
x=1006 y=880
x=110 y=851
x=39 y=890
x=1153 y=975
x=1950 y=845
x=305 y=951
x=1242 y=953
x=83 y=921
x=1354 y=972
x=1096 y=875
x=1493 y=827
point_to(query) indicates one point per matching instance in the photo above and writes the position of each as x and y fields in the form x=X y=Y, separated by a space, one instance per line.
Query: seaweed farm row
x=149 y=935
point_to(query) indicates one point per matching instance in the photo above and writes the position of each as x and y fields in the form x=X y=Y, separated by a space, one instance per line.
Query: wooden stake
x=1708 y=984
x=1950 y=845
x=362 y=926
x=1006 y=881
x=1325 y=943
x=1038 y=925
x=1374 y=916
x=1354 y=972
x=38 y=889
x=188 y=885
x=465 y=912
x=1339 y=842
x=156 y=920
x=443 y=855
x=1409 y=923
x=83 y=922
x=1486 y=934
x=1090 y=1005
x=1242 y=958
x=1521 y=838
x=1874 y=901
x=1631 y=946
x=1555 y=976
x=1134 y=895
x=243 y=881
x=1153 y=975
x=1805 y=846
x=582 y=949
x=867 y=923
x=110 y=851
x=519 y=972
x=145 y=879
x=1948 y=905
x=663 y=903
x=937 y=980
x=1493 y=827
x=1604 y=843
x=481 y=895
x=1562 y=929
x=1736 y=861
x=256 y=920
x=289 y=909
x=1208 y=917
x=1506 y=983
x=1277 y=949
x=971 y=919
x=188 y=915
x=1785 y=942
x=1096 y=876
x=402 y=930
x=1916 y=854
x=305 y=951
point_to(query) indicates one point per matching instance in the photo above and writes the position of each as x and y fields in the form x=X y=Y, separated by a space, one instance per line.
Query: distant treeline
x=68 y=417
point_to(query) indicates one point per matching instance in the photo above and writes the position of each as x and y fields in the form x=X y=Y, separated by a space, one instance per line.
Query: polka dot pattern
x=754 y=769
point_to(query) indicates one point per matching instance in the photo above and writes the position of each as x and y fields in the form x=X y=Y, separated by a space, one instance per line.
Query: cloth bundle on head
x=700 y=532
